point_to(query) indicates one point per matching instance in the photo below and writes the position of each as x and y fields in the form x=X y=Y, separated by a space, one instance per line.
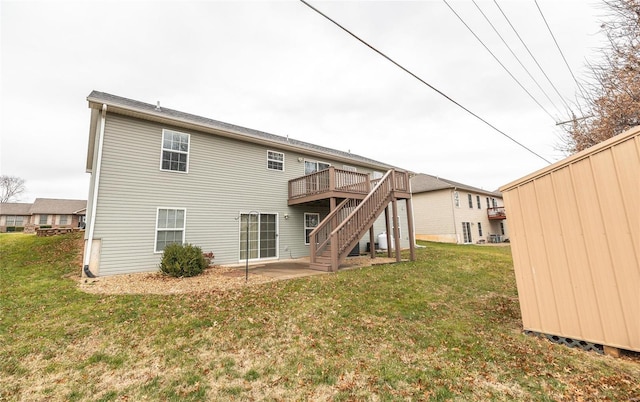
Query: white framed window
x=502 y=228
x=311 y=221
x=456 y=199
x=494 y=202
x=470 y=198
x=64 y=219
x=488 y=205
x=349 y=168
x=376 y=175
x=43 y=219
x=478 y=201
x=480 y=229
x=314 y=166
x=175 y=151
x=14 y=220
x=275 y=160
x=170 y=227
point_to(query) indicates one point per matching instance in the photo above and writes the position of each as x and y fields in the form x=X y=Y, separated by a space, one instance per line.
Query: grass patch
x=446 y=326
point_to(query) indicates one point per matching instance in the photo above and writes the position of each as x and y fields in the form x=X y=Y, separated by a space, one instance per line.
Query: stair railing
x=319 y=238
x=360 y=220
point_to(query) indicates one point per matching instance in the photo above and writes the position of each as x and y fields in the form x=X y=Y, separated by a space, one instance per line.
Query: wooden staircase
x=334 y=238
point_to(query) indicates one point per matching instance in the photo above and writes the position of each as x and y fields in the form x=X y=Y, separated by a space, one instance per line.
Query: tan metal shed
x=575 y=240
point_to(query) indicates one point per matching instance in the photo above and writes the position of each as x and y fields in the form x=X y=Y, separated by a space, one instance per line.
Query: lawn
x=445 y=327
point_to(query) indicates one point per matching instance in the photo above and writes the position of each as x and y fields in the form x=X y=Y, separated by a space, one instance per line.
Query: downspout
x=94 y=201
x=453 y=211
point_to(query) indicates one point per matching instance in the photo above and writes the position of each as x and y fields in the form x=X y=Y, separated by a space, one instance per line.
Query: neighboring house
x=14 y=216
x=48 y=212
x=160 y=176
x=575 y=229
x=451 y=212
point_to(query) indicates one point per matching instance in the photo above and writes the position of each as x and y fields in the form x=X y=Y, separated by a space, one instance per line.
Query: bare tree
x=610 y=100
x=12 y=187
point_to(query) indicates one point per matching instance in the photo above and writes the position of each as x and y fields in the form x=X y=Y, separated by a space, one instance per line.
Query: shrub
x=208 y=258
x=45 y=226
x=180 y=260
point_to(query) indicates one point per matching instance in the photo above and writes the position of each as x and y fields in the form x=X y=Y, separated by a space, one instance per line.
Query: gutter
x=94 y=201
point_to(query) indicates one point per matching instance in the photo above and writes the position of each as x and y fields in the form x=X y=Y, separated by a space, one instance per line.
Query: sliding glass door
x=258 y=233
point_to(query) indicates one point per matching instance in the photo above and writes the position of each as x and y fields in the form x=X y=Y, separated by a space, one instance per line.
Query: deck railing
x=330 y=179
x=320 y=237
x=496 y=213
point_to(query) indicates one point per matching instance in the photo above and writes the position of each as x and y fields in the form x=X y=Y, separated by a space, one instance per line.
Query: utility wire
x=498 y=60
x=532 y=56
x=559 y=50
x=516 y=57
x=421 y=80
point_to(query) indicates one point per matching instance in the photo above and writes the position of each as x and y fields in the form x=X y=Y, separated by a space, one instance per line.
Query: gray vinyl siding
x=225 y=178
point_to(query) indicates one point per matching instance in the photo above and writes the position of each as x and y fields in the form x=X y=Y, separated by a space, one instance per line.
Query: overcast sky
x=281 y=68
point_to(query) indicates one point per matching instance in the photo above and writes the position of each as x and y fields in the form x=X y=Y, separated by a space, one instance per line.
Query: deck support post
x=388 y=231
x=396 y=229
x=412 y=239
x=372 y=244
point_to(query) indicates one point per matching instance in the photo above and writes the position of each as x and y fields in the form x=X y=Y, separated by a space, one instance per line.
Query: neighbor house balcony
x=496 y=213
x=338 y=183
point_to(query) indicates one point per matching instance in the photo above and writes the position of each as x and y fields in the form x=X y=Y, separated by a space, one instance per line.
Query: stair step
x=323 y=260
x=320 y=267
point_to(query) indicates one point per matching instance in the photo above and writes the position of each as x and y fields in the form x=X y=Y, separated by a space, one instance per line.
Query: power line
x=516 y=57
x=559 y=50
x=421 y=80
x=532 y=56
x=498 y=60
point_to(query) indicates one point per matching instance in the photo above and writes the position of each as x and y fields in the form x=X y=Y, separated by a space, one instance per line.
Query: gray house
x=160 y=176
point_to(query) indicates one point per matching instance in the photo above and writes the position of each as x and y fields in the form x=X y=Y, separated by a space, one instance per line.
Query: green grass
x=445 y=327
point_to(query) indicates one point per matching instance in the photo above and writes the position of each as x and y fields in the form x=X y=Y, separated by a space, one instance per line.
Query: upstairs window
x=175 y=151
x=314 y=166
x=488 y=205
x=275 y=160
x=470 y=200
x=478 y=201
x=456 y=199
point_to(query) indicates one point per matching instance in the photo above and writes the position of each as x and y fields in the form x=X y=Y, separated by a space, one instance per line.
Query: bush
x=45 y=226
x=208 y=258
x=180 y=260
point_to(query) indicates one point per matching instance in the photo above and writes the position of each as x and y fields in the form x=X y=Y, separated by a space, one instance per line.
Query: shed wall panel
x=558 y=273
x=579 y=281
x=520 y=250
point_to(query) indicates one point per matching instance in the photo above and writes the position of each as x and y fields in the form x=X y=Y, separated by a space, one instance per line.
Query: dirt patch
x=216 y=278
x=213 y=278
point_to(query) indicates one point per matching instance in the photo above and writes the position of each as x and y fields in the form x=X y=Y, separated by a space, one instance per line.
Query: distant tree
x=12 y=187
x=611 y=99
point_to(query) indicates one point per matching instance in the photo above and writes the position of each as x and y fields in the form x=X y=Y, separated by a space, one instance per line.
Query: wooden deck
x=338 y=183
